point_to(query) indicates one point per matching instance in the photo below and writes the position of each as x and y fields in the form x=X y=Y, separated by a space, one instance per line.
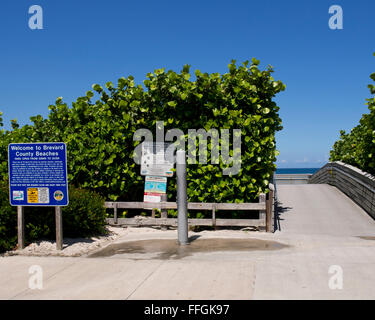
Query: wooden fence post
x=262 y=213
x=164 y=212
x=115 y=213
x=214 y=215
x=269 y=209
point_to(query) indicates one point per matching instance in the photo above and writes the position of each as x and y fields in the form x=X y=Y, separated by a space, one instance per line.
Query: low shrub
x=8 y=220
x=85 y=215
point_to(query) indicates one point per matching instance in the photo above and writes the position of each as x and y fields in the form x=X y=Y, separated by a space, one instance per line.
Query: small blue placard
x=38 y=174
x=156 y=184
x=158 y=187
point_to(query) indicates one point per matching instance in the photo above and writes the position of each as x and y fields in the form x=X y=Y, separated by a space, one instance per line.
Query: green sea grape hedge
x=358 y=147
x=99 y=128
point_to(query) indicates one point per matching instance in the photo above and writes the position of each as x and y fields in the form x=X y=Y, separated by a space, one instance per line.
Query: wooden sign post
x=21 y=227
x=59 y=228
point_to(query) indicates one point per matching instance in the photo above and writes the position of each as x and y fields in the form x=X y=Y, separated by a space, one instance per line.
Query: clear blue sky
x=84 y=42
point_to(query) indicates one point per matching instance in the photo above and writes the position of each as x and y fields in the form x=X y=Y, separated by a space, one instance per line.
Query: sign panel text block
x=38 y=174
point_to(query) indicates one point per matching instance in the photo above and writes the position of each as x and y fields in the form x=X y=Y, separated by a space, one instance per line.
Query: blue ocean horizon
x=296 y=170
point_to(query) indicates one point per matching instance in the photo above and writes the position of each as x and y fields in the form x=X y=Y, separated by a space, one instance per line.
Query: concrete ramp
x=320 y=209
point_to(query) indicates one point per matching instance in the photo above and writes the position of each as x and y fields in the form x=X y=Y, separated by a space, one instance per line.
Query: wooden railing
x=356 y=184
x=264 y=206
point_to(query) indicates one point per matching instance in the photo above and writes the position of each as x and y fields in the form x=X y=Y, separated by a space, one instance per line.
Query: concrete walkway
x=320 y=226
x=326 y=229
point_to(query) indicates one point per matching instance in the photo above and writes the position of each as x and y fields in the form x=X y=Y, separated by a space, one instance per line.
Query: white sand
x=73 y=247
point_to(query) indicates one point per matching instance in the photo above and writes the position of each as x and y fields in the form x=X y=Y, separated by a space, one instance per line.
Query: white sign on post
x=157 y=159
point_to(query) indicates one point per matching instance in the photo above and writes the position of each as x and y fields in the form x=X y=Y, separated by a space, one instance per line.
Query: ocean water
x=296 y=170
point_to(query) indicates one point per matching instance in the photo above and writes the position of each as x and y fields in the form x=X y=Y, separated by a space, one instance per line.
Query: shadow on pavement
x=279 y=210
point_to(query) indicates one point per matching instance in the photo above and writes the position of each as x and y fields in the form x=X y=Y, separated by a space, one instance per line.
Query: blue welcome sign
x=38 y=174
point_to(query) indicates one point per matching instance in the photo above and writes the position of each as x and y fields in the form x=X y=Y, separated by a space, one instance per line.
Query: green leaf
x=172 y=103
x=266 y=110
x=257 y=118
x=97 y=88
x=255 y=61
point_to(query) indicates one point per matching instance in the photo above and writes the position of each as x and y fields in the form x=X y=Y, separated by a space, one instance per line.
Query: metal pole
x=182 y=219
x=21 y=227
x=59 y=228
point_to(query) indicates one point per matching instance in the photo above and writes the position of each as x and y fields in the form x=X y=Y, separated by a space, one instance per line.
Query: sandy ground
x=73 y=247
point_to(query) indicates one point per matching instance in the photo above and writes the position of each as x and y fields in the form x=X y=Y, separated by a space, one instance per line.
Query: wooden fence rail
x=265 y=208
